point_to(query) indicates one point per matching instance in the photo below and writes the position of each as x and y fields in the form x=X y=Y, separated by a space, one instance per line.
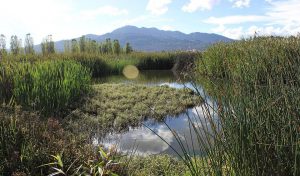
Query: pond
x=146 y=139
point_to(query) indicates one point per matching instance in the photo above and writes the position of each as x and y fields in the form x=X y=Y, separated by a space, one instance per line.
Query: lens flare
x=130 y=72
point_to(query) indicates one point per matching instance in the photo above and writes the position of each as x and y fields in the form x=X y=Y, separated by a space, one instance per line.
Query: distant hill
x=153 y=39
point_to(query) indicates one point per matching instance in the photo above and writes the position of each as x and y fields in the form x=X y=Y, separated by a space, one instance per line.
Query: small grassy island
x=118 y=106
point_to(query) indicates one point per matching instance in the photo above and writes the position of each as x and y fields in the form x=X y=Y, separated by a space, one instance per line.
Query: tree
x=3 y=51
x=15 y=45
x=44 y=46
x=91 y=46
x=75 y=46
x=51 y=47
x=109 y=46
x=103 y=48
x=116 y=47
x=28 y=44
x=67 y=46
x=82 y=44
x=128 y=49
x=48 y=45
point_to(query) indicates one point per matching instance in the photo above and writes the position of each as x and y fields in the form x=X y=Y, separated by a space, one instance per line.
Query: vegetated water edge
x=254 y=84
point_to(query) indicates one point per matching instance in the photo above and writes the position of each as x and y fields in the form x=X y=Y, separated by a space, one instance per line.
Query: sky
x=67 y=19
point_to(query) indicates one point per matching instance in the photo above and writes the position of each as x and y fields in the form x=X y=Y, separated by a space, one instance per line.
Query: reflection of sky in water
x=145 y=142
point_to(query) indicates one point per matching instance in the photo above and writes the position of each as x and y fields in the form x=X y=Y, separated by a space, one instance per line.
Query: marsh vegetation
x=246 y=93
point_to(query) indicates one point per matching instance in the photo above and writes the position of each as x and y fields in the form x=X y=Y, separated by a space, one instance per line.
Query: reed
x=257 y=107
x=47 y=86
x=106 y=64
x=257 y=60
x=6 y=82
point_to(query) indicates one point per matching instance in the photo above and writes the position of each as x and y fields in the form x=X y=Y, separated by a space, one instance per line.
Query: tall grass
x=257 y=59
x=101 y=65
x=263 y=125
x=6 y=82
x=257 y=107
x=48 y=86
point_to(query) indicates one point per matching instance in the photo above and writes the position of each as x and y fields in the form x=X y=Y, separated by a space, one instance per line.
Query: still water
x=146 y=139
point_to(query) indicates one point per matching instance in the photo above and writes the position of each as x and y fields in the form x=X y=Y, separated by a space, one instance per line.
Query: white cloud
x=195 y=5
x=280 y=18
x=62 y=19
x=269 y=30
x=142 y=21
x=240 y=3
x=40 y=18
x=284 y=12
x=234 y=33
x=240 y=32
x=236 y=19
x=105 y=10
x=158 y=7
x=143 y=140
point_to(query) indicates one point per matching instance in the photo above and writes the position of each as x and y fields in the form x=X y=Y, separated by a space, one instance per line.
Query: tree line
x=74 y=46
x=87 y=45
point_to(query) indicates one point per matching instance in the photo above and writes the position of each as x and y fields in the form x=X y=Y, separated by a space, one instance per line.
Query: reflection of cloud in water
x=141 y=138
x=145 y=142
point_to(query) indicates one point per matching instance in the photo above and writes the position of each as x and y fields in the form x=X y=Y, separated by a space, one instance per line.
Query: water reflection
x=147 y=77
x=146 y=142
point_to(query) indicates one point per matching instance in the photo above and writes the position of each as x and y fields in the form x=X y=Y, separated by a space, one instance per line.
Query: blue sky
x=66 y=19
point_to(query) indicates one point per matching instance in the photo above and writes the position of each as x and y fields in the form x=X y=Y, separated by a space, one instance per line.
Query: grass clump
x=257 y=60
x=48 y=86
x=119 y=105
x=6 y=82
x=257 y=103
x=261 y=129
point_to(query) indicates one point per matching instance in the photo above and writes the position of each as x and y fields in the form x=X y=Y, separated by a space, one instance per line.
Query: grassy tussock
x=48 y=86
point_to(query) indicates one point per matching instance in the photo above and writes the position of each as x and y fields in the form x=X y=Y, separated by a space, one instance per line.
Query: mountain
x=153 y=39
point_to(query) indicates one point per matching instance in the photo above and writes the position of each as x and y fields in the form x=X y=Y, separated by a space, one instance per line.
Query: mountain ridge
x=153 y=39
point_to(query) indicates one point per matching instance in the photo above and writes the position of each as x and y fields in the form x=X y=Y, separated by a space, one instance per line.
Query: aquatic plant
x=48 y=86
x=104 y=164
x=256 y=103
x=107 y=64
x=255 y=60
